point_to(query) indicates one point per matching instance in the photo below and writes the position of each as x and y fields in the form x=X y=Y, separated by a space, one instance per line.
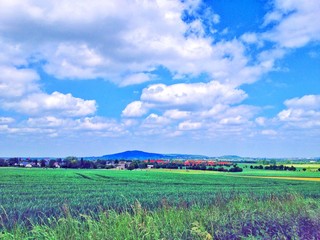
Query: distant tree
x=221 y=169
x=35 y=162
x=292 y=168
x=13 y=161
x=3 y=163
x=258 y=167
x=51 y=163
x=111 y=166
x=142 y=165
x=133 y=165
x=42 y=163
x=70 y=162
x=235 y=169
x=273 y=161
x=304 y=169
x=81 y=163
x=203 y=167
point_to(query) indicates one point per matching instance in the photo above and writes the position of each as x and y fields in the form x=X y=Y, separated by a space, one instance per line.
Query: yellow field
x=307 y=165
x=283 y=178
x=183 y=171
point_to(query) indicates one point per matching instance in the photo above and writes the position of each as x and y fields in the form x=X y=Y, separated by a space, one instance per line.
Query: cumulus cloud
x=251 y=38
x=6 y=120
x=21 y=89
x=188 y=125
x=76 y=40
x=192 y=107
x=185 y=103
x=76 y=61
x=302 y=112
x=305 y=102
x=100 y=124
x=80 y=41
x=191 y=96
x=154 y=121
x=17 y=82
x=292 y=23
x=55 y=103
x=269 y=132
x=55 y=126
x=176 y=114
x=49 y=122
x=134 y=109
x=136 y=79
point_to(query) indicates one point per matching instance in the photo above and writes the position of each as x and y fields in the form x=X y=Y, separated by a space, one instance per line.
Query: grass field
x=310 y=167
x=38 y=197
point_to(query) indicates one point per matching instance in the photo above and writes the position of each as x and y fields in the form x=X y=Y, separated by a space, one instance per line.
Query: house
x=121 y=166
x=195 y=162
x=56 y=165
x=224 y=163
x=156 y=161
x=25 y=164
x=150 y=166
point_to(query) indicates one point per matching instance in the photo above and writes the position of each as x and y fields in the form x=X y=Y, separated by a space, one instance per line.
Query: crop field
x=31 y=197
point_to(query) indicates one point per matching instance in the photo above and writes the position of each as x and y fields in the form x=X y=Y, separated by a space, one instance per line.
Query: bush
x=235 y=169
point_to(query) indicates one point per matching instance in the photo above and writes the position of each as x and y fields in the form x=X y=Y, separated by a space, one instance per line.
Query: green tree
x=71 y=162
x=3 y=163
x=43 y=163
x=51 y=163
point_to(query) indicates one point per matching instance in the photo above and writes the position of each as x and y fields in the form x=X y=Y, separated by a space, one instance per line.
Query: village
x=118 y=164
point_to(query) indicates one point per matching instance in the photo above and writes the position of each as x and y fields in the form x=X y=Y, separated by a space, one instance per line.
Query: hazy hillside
x=140 y=155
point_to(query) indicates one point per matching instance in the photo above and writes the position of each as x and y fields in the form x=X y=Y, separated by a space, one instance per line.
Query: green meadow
x=157 y=204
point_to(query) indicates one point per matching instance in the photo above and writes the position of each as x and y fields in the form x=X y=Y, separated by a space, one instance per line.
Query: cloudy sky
x=211 y=77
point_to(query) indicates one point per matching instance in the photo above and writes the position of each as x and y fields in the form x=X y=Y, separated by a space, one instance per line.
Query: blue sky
x=213 y=77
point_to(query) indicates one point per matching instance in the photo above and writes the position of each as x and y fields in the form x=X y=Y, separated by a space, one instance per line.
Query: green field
x=29 y=197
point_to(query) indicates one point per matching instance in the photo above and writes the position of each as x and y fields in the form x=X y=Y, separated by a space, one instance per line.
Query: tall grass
x=240 y=216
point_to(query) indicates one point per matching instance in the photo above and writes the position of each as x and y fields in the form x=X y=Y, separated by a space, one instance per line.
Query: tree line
x=275 y=167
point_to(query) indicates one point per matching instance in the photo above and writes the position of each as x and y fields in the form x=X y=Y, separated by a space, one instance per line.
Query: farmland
x=32 y=198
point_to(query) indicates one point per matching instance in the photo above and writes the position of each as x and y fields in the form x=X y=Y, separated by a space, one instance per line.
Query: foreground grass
x=286 y=216
x=29 y=195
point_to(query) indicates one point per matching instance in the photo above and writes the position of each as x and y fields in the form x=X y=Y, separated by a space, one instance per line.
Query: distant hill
x=140 y=155
x=133 y=155
x=230 y=157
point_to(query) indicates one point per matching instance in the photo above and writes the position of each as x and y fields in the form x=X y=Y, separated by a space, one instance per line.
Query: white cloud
x=302 y=112
x=6 y=120
x=100 y=124
x=55 y=103
x=154 y=120
x=191 y=96
x=294 y=23
x=17 y=82
x=50 y=122
x=216 y=18
x=188 y=125
x=136 y=78
x=74 y=61
x=261 y=121
x=134 y=109
x=269 y=132
x=251 y=38
x=86 y=41
x=201 y=107
x=176 y=114
x=305 y=102
x=54 y=126
x=233 y=120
